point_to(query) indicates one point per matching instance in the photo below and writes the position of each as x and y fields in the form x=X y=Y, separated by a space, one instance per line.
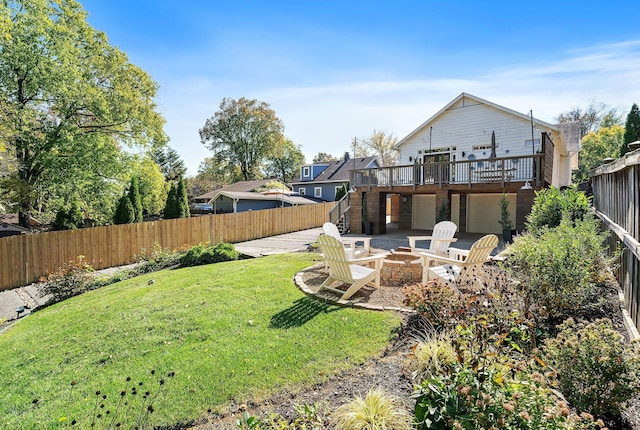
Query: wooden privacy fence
x=616 y=199
x=25 y=258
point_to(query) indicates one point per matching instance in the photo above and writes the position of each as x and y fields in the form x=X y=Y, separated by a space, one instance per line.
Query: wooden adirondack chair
x=355 y=273
x=439 y=241
x=350 y=243
x=460 y=266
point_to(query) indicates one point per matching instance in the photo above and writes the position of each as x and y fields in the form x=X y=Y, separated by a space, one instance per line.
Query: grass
x=230 y=331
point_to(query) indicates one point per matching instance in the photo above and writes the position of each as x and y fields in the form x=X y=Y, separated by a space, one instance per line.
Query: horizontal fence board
x=26 y=258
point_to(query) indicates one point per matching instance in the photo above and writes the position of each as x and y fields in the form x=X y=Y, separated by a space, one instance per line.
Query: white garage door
x=424 y=212
x=483 y=212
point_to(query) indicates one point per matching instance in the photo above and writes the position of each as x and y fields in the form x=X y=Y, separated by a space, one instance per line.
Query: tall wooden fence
x=616 y=198
x=25 y=258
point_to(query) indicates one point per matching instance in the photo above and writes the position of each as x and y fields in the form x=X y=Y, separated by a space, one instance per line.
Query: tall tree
x=153 y=189
x=596 y=146
x=592 y=117
x=631 y=129
x=243 y=132
x=136 y=200
x=321 y=157
x=382 y=147
x=182 y=200
x=285 y=162
x=124 y=211
x=170 y=163
x=171 y=206
x=69 y=100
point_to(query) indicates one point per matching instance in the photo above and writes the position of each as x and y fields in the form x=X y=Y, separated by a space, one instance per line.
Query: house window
x=535 y=142
x=337 y=189
x=302 y=191
x=306 y=172
x=317 y=192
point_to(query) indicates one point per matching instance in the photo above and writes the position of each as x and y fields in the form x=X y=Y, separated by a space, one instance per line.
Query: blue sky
x=335 y=70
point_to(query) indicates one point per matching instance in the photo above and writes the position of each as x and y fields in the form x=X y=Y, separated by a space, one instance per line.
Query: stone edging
x=328 y=298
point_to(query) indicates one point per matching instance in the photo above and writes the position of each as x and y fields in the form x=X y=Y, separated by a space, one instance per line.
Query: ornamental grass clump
x=376 y=411
x=596 y=369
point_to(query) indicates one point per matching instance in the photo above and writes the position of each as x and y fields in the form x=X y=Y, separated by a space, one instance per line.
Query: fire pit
x=400 y=269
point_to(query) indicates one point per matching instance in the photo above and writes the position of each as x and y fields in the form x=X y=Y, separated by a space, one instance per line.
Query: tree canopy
x=321 y=157
x=596 y=146
x=69 y=102
x=631 y=129
x=243 y=133
x=381 y=145
x=592 y=117
x=170 y=163
x=284 y=163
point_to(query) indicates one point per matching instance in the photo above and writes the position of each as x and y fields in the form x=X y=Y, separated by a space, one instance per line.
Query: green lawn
x=229 y=331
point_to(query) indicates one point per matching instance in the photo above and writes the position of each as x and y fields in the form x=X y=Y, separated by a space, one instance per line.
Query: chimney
x=346 y=156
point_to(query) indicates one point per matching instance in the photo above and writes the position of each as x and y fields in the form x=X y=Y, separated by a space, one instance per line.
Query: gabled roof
x=465 y=97
x=291 y=199
x=242 y=186
x=338 y=171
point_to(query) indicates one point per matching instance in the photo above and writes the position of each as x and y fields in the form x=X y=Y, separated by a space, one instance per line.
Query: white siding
x=471 y=125
x=423 y=212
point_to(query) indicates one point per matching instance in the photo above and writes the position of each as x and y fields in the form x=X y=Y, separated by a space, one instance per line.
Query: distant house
x=323 y=180
x=250 y=195
x=9 y=225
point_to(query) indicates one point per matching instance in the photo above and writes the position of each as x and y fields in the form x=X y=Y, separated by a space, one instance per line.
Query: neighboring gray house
x=9 y=225
x=250 y=195
x=323 y=180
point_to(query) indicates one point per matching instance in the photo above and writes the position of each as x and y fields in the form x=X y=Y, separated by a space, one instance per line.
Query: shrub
x=486 y=389
x=73 y=278
x=437 y=302
x=203 y=254
x=136 y=200
x=432 y=355
x=124 y=212
x=596 y=369
x=552 y=205
x=69 y=218
x=377 y=410
x=558 y=269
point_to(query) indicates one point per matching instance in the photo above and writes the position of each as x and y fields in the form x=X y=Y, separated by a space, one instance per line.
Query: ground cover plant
x=226 y=332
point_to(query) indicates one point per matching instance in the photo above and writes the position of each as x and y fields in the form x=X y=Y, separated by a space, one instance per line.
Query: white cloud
x=325 y=118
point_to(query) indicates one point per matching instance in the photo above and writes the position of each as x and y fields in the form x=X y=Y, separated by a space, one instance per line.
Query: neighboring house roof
x=568 y=139
x=338 y=171
x=14 y=220
x=242 y=186
x=291 y=199
x=4 y=227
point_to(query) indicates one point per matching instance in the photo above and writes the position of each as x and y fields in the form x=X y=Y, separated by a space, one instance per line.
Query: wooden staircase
x=339 y=214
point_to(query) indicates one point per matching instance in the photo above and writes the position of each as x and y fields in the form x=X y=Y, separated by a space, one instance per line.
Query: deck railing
x=506 y=169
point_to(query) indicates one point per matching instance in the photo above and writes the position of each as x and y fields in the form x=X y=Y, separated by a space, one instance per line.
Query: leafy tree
x=124 y=212
x=322 y=157
x=596 y=146
x=69 y=100
x=182 y=200
x=153 y=189
x=136 y=201
x=631 y=129
x=243 y=132
x=382 y=146
x=170 y=163
x=593 y=117
x=171 y=206
x=285 y=162
x=69 y=218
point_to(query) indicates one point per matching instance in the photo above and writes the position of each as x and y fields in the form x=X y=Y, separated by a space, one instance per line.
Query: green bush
x=552 y=205
x=558 y=270
x=596 y=368
x=378 y=410
x=125 y=213
x=69 y=218
x=486 y=389
x=74 y=278
x=203 y=254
